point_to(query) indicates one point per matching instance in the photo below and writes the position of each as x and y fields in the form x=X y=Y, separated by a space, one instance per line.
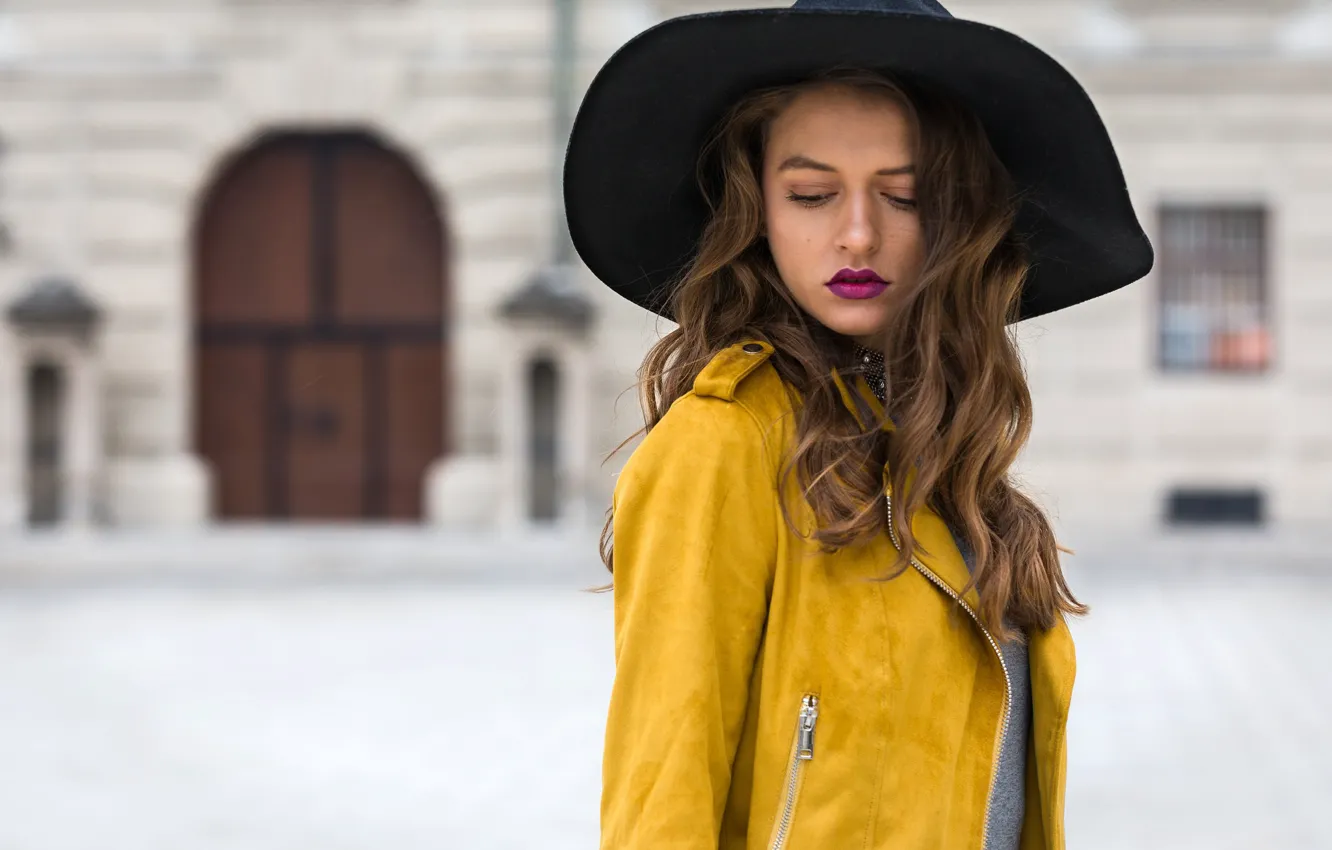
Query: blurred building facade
x=289 y=261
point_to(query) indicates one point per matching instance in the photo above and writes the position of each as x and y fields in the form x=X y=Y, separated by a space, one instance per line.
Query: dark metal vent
x=1198 y=506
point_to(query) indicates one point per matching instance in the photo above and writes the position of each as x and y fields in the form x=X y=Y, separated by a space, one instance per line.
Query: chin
x=860 y=324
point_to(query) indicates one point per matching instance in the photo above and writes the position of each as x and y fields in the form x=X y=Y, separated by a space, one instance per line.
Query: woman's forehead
x=837 y=126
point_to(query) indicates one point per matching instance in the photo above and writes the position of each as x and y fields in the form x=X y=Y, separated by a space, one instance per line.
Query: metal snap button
x=753 y=348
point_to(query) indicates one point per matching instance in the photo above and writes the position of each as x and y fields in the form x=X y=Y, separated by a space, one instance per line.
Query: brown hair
x=957 y=393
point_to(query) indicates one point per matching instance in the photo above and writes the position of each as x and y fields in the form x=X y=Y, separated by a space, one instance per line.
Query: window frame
x=1265 y=304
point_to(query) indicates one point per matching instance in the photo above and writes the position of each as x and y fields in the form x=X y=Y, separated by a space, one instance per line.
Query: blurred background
x=305 y=398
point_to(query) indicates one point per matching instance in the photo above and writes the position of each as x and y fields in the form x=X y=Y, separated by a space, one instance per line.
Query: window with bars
x=1214 y=300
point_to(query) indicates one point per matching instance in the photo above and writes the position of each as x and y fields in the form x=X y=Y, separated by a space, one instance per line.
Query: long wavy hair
x=957 y=393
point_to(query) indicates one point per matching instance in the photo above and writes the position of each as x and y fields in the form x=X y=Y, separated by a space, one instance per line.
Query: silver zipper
x=1008 y=680
x=803 y=751
x=809 y=715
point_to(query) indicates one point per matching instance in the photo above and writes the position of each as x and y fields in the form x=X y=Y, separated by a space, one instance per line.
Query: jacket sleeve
x=695 y=527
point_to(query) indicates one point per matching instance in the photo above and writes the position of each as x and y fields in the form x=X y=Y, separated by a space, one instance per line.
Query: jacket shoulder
x=734 y=408
x=741 y=378
x=745 y=363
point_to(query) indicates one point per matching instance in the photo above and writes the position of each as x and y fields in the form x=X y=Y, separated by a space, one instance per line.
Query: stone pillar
x=56 y=324
x=13 y=452
x=82 y=434
x=550 y=319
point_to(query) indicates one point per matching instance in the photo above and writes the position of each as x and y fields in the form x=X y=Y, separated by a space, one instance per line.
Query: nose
x=858 y=232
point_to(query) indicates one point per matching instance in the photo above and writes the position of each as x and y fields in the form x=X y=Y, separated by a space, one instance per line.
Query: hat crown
x=911 y=7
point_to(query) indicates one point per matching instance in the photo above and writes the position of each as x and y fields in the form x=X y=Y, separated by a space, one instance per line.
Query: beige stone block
x=137 y=407
x=1079 y=494
x=1212 y=419
x=605 y=25
x=514 y=27
x=501 y=227
x=1083 y=427
x=483 y=284
x=109 y=81
x=143 y=345
x=158 y=492
x=444 y=125
x=134 y=219
x=1304 y=346
x=144 y=173
x=36 y=175
x=147 y=290
x=1068 y=355
x=518 y=77
x=462 y=491
x=469 y=169
x=527 y=180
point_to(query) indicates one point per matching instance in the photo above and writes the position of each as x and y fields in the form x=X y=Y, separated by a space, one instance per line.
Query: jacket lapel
x=1051 y=655
x=936 y=548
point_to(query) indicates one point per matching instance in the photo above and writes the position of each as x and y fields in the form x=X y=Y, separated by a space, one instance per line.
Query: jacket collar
x=860 y=387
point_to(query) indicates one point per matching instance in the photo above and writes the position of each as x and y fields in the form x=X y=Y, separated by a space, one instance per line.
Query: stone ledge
x=249 y=555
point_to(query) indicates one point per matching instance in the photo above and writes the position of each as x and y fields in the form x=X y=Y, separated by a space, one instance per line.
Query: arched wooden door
x=320 y=297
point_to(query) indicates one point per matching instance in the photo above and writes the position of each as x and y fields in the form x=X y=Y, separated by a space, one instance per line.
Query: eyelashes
x=808 y=200
x=819 y=200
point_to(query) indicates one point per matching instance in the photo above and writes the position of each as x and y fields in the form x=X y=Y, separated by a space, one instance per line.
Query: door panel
x=325 y=431
x=387 y=238
x=233 y=426
x=254 y=246
x=415 y=424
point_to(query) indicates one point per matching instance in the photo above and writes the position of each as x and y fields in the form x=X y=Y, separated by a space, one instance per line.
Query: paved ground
x=406 y=714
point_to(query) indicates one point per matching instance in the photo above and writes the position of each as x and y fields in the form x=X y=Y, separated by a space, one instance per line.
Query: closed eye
x=820 y=200
x=809 y=200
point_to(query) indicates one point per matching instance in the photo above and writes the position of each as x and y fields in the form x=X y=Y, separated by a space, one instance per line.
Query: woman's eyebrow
x=801 y=161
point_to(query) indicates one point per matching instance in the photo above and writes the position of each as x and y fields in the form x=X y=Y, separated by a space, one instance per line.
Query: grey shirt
x=1003 y=830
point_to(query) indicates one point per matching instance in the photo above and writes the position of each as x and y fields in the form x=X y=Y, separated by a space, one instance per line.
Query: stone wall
x=115 y=117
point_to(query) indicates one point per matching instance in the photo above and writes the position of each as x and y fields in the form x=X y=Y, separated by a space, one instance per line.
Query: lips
x=856 y=276
x=857 y=284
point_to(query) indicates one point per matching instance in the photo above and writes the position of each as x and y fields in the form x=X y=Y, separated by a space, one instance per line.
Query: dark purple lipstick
x=857 y=284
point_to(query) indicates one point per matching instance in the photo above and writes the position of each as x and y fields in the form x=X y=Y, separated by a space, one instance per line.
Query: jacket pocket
x=802 y=751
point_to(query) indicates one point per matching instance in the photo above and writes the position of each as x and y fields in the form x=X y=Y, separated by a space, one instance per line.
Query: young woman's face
x=840 y=207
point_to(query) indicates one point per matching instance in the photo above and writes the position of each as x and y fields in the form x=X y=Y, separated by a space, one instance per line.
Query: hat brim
x=634 y=209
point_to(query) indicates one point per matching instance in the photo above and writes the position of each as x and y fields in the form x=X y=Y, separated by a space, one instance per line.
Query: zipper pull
x=809 y=715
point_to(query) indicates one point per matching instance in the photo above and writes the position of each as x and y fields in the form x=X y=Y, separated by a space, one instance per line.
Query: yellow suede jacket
x=766 y=694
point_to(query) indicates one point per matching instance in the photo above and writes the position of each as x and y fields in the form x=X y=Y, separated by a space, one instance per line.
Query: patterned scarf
x=871 y=364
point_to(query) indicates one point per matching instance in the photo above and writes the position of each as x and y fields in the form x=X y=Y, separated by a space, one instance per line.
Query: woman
x=837 y=623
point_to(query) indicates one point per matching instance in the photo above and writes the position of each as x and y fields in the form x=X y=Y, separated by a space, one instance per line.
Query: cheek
x=918 y=252
x=789 y=236
x=910 y=246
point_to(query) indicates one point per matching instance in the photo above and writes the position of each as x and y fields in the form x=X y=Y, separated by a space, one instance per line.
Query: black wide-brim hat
x=631 y=196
